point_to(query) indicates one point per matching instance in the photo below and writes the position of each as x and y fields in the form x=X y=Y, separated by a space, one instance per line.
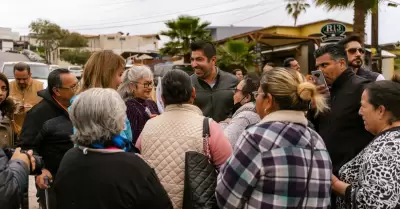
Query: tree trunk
x=360 y=14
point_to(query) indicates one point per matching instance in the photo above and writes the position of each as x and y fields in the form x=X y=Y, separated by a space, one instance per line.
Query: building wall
x=6 y=45
x=218 y=33
x=6 y=33
x=388 y=68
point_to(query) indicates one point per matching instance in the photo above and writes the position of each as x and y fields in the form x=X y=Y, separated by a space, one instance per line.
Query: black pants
x=51 y=197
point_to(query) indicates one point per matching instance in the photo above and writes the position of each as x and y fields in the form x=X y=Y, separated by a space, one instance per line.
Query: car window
x=75 y=68
x=38 y=71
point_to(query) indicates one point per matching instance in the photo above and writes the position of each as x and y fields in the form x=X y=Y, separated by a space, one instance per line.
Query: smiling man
x=214 y=87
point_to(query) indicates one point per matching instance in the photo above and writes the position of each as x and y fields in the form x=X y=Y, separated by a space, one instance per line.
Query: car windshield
x=75 y=68
x=38 y=71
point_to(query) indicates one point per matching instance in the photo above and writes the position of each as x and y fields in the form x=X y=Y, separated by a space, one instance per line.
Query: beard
x=357 y=63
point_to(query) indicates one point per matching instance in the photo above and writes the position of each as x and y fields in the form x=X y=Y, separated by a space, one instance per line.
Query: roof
x=272 y=40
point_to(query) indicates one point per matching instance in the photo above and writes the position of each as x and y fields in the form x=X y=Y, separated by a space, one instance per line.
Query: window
x=110 y=38
x=38 y=71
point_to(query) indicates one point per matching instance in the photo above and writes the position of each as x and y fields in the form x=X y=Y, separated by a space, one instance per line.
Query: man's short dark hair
x=349 y=39
x=287 y=61
x=54 y=79
x=176 y=87
x=207 y=47
x=22 y=66
x=336 y=52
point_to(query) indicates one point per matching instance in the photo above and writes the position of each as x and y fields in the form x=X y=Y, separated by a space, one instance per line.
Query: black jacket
x=342 y=128
x=40 y=113
x=367 y=74
x=13 y=181
x=216 y=102
x=53 y=141
x=108 y=180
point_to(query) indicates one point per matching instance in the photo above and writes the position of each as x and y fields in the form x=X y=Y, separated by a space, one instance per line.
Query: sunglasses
x=354 y=50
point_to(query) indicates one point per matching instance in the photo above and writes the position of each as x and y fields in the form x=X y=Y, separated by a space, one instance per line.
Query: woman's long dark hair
x=7 y=107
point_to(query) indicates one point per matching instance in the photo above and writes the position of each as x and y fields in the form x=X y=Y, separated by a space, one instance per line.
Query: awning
x=271 y=40
x=385 y=54
x=280 y=49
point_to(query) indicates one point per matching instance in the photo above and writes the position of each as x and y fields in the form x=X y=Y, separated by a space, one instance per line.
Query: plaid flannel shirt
x=269 y=168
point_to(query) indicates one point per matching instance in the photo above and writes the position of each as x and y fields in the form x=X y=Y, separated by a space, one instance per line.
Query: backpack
x=6 y=132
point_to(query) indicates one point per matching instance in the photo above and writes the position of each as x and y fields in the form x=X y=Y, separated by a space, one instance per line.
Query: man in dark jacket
x=13 y=178
x=342 y=128
x=355 y=55
x=214 y=87
x=47 y=127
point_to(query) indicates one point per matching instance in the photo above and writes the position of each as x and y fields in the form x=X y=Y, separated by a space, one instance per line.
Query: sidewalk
x=32 y=194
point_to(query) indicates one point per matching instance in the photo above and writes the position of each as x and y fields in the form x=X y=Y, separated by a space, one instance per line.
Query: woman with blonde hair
x=104 y=70
x=279 y=162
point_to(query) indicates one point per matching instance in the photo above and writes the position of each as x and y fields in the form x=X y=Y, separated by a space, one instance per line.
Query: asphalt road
x=8 y=57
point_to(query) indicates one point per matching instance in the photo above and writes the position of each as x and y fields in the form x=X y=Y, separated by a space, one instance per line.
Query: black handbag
x=200 y=177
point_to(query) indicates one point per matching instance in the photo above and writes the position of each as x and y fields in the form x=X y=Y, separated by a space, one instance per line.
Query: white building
x=7 y=38
x=118 y=43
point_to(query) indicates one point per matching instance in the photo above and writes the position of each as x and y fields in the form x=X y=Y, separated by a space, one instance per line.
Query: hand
x=322 y=89
x=40 y=179
x=334 y=180
x=153 y=115
x=22 y=156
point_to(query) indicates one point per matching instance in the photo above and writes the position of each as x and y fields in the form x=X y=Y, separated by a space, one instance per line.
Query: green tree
x=235 y=52
x=74 y=40
x=182 y=32
x=360 y=7
x=76 y=56
x=295 y=8
x=48 y=34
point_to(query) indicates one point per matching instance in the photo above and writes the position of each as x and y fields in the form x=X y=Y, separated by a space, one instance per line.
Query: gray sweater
x=241 y=119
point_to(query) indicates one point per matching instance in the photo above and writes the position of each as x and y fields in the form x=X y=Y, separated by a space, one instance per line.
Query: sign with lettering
x=333 y=32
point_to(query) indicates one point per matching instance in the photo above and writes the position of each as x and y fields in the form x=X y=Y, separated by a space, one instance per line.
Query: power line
x=265 y=12
x=160 y=21
x=159 y=15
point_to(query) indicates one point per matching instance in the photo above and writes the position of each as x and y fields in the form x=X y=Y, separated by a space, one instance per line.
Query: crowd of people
x=276 y=139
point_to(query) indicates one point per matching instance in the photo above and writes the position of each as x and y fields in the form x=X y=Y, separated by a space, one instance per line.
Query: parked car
x=39 y=71
x=53 y=67
x=76 y=71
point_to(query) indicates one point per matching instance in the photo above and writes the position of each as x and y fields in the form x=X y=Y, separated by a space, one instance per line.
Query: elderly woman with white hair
x=99 y=173
x=136 y=90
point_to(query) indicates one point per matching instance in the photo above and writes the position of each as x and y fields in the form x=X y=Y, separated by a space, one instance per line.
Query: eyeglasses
x=146 y=85
x=73 y=88
x=354 y=50
x=256 y=93
x=237 y=90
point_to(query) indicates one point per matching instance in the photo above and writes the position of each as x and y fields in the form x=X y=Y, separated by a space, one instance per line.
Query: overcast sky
x=147 y=16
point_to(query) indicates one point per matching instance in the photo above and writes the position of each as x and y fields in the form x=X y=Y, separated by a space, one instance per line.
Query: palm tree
x=295 y=8
x=182 y=32
x=237 y=53
x=361 y=9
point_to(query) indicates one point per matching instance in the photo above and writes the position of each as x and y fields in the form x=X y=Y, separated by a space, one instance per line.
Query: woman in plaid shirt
x=279 y=163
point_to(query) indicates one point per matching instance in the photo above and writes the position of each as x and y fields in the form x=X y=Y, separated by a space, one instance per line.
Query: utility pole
x=377 y=57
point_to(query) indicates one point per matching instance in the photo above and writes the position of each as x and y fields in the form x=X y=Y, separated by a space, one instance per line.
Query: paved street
x=7 y=57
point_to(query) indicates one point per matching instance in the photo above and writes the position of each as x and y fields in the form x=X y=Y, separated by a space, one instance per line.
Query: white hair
x=97 y=115
x=133 y=74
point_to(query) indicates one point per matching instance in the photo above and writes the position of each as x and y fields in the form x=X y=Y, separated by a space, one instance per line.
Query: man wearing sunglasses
x=356 y=55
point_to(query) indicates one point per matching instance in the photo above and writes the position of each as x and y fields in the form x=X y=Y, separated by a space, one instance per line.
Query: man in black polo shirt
x=355 y=56
x=214 y=87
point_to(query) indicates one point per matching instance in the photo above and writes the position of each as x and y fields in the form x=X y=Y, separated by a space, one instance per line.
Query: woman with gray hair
x=99 y=173
x=136 y=89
